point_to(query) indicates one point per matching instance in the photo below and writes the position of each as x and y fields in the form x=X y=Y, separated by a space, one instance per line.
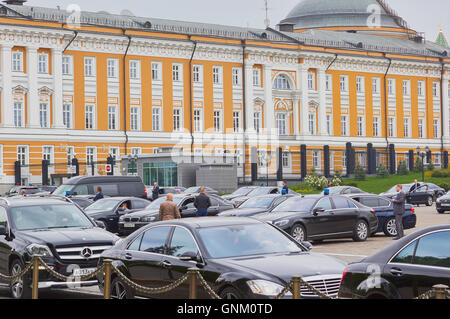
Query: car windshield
x=104 y=204
x=155 y=204
x=296 y=205
x=192 y=190
x=62 y=190
x=242 y=191
x=406 y=187
x=257 y=202
x=246 y=240
x=259 y=192
x=335 y=190
x=49 y=217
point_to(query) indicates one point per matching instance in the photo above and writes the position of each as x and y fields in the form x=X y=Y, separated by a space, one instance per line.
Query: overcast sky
x=422 y=15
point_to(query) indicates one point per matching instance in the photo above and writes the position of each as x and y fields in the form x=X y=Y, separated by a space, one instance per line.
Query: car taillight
x=344 y=274
x=373 y=212
x=413 y=210
x=145 y=190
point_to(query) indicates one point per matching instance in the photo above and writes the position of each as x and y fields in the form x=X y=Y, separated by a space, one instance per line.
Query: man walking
x=155 y=191
x=99 y=194
x=399 y=210
x=202 y=203
x=169 y=210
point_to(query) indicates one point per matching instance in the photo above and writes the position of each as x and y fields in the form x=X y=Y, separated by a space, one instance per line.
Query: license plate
x=129 y=225
x=83 y=272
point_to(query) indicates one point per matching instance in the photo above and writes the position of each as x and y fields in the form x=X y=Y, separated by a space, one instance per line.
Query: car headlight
x=148 y=219
x=281 y=223
x=266 y=288
x=39 y=250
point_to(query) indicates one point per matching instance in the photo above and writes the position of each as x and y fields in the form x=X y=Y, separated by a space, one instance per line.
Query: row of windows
x=18 y=63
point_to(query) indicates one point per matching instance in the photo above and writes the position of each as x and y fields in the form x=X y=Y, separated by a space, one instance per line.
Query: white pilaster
x=7 y=101
x=33 y=96
x=445 y=103
x=269 y=112
x=305 y=101
x=58 y=89
x=322 y=110
x=249 y=97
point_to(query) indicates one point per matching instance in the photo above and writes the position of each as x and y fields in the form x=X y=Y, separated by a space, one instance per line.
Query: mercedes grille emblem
x=86 y=252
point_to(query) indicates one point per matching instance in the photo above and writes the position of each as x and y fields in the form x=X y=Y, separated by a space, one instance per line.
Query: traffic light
x=77 y=166
x=110 y=161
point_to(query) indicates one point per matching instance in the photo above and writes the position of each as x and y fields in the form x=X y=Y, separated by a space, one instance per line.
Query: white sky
x=422 y=15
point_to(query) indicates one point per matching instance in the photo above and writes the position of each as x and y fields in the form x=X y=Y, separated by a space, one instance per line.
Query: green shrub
x=418 y=165
x=360 y=173
x=402 y=169
x=353 y=184
x=430 y=167
x=382 y=172
x=337 y=180
x=316 y=182
x=441 y=173
x=445 y=186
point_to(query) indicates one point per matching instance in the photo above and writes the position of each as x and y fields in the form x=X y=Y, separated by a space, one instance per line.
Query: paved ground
x=346 y=250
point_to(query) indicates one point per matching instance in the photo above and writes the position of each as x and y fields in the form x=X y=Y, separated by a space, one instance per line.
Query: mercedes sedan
x=318 y=217
x=240 y=258
x=257 y=205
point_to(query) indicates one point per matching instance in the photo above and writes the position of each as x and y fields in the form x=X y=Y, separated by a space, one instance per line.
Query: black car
x=82 y=200
x=257 y=205
x=425 y=194
x=49 y=189
x=108 y=210
x=112 y=186
x=197 y=189
x=28 y=190
x=56 y=230
x=404 y=270
x=131 y=222
x=243 y=191
x=344 y=190
x=259 y=191
x=318 y=217
x=443 y=203
x=163 y=191
x=240 y=258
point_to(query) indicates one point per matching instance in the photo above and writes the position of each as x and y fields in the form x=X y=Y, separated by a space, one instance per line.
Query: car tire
x=430 y=201
x=230 y=293
x=441 y=211
x=299 y=233
x=20 y=289
x=120 y=290
x=361 y=231
x=390 y=227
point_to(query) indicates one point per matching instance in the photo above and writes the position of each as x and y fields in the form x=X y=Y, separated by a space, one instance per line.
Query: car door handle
x=167 y=264
x=397 y=272
x=128 y=256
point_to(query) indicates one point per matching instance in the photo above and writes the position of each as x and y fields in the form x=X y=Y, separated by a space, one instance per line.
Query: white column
x=305 y=101
x=7 y=101
x=58 y=89
x=296 y=106
x=33 y=96
x=269 y=113
x=445 y=102
x=249 y=97
x=322 y=110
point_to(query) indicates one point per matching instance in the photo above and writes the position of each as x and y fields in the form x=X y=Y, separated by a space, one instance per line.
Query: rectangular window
x=67 y=115
x=136 y=151
x=436 y=128
x=236 y=76
x=312 y=124
x=217 y=121
x=406 y=87
x=406 y=127
x=47 y=153
x=177 y=72
x=421 y=128
x=329 y=124
x=114 y=152
x=17 y=61
x=360 y=84
x=344 y=125
x=375 y=85
x=112 y=68
x=328 y=81
x=436 y=89
x=217 y=75
x=360 y=126
x=112 y=117
x=135 y=67
x=90 y=155
x=420 y=88
x=89 y=67
x=43 y=115
x=178 y=119
x=316 y=159
x=18 y=114
x=66 y=65
x=311 y=81
x=134 y=118
x=198 y=125
x=22 y=155
x=391 y=127
x=257 y=121
x=197 y=76
x=391 y=87
x=70 y=150
x=89 y=117
x=156 y=71
x=376 y=126
x=236 y=121
x=286 y=159
x=256 y=77
x=156 y=119
x=343 y=83
x=281 y=124
x=43 y=63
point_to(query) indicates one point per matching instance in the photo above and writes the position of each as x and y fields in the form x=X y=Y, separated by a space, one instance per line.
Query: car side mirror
x=307 y=245
x=100 y=224
x=189 y=256
x=184 y=208
x=3 y=231
x=318 y=210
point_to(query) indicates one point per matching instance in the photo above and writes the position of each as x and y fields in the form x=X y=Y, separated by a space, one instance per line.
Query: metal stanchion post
x=192 y=283
x=35 y=292
x=296 y=287
x=440 y=291
x=107 y=278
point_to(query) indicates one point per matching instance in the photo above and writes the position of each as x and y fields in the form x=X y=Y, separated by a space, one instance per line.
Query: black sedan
x=108 y=210
x=257 y=205
x=404 y=270
x=197 y=189
x=443 y=203
x=240 y=258
x=344 y=190
x=243 y=191
x=259 y=191
x=131 y=222
x=425 y=194
x=318 y=217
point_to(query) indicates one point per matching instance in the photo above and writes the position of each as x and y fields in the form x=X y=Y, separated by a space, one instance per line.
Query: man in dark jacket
x=99 y=194
x=399 y=210
x=202 y=203
x=155 y=191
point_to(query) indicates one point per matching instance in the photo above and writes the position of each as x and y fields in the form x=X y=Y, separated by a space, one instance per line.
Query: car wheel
x=390 y=227
x=430 y=201
x=120 y=290
x=20 y=288
x=361 y=231
x=441 y=211
x=230 y=293
x=298 y=232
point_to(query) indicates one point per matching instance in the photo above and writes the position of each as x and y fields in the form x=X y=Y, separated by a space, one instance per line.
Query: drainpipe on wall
x=442 y=110
x=244 y=109
x=124 y=69
x=386 y=103
x=191 y=98
x=75 y=34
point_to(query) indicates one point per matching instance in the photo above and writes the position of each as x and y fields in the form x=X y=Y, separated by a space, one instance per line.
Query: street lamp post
x=422 y=156
x=133 y=161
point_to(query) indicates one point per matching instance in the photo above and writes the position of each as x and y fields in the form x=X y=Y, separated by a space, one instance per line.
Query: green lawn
x=378 y=185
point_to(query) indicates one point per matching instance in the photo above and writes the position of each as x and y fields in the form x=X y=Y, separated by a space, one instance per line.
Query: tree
x=402 y=169
x=360 y=173
x=418 y=165
x=382 y=172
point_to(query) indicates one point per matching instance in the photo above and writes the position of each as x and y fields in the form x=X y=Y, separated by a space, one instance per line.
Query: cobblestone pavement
x=346 y=250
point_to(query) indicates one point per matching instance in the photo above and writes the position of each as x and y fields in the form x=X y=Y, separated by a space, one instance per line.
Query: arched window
x=281 y=83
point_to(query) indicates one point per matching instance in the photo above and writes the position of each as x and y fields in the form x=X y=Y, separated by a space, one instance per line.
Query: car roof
x=102 y=179
x=122 y=198
x=205 y=222
x=33 y=201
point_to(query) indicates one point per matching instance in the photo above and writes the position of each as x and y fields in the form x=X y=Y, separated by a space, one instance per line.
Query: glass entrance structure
x=164 y=173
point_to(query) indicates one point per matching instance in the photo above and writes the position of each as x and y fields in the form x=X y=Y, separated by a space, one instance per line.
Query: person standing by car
x=416 y=185
x=169 y=210
x=285 y=189
x=399 y=210
x=155 y=191
x=99 y=194
x=202 y=203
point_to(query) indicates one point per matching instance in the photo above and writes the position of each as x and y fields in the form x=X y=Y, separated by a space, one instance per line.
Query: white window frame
x=135 y=122
x=156 y=70
x=286 y=160
x=89 y=66
x=44 y=115
x=91 y=157
x=312 y=123
x=391 y=127
x=43 y=66
x=19 y=114
x=281 y=118
x=178 y=114
x=197 y=73
x=237 y=121
x=217 y=75
x=198 y=120
x=376 y=126
x=112 y=118
x=421 y=127
x=48 y=153
x=257 y=121
x=311 y=81
x=406 y=127
x=328 y=82
x=421 y=88
x=217 y=121
x=17 y=61
x=156 y=119
x=67 y=64
x=316 y=159
x=177 y=72
x=406 y=87
x=436 y=128
x=67 y=115
x=89 y=116
x=237 y=77
x=376 y=85
x=360 y=82
x=256 y=77
x=135 y=69
x=436 y=89
x=391 y=87
x=329 y=122
x=360 y=126
x=23 y=157
x=343 y=83
x=344 y=125
x=112 y=67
